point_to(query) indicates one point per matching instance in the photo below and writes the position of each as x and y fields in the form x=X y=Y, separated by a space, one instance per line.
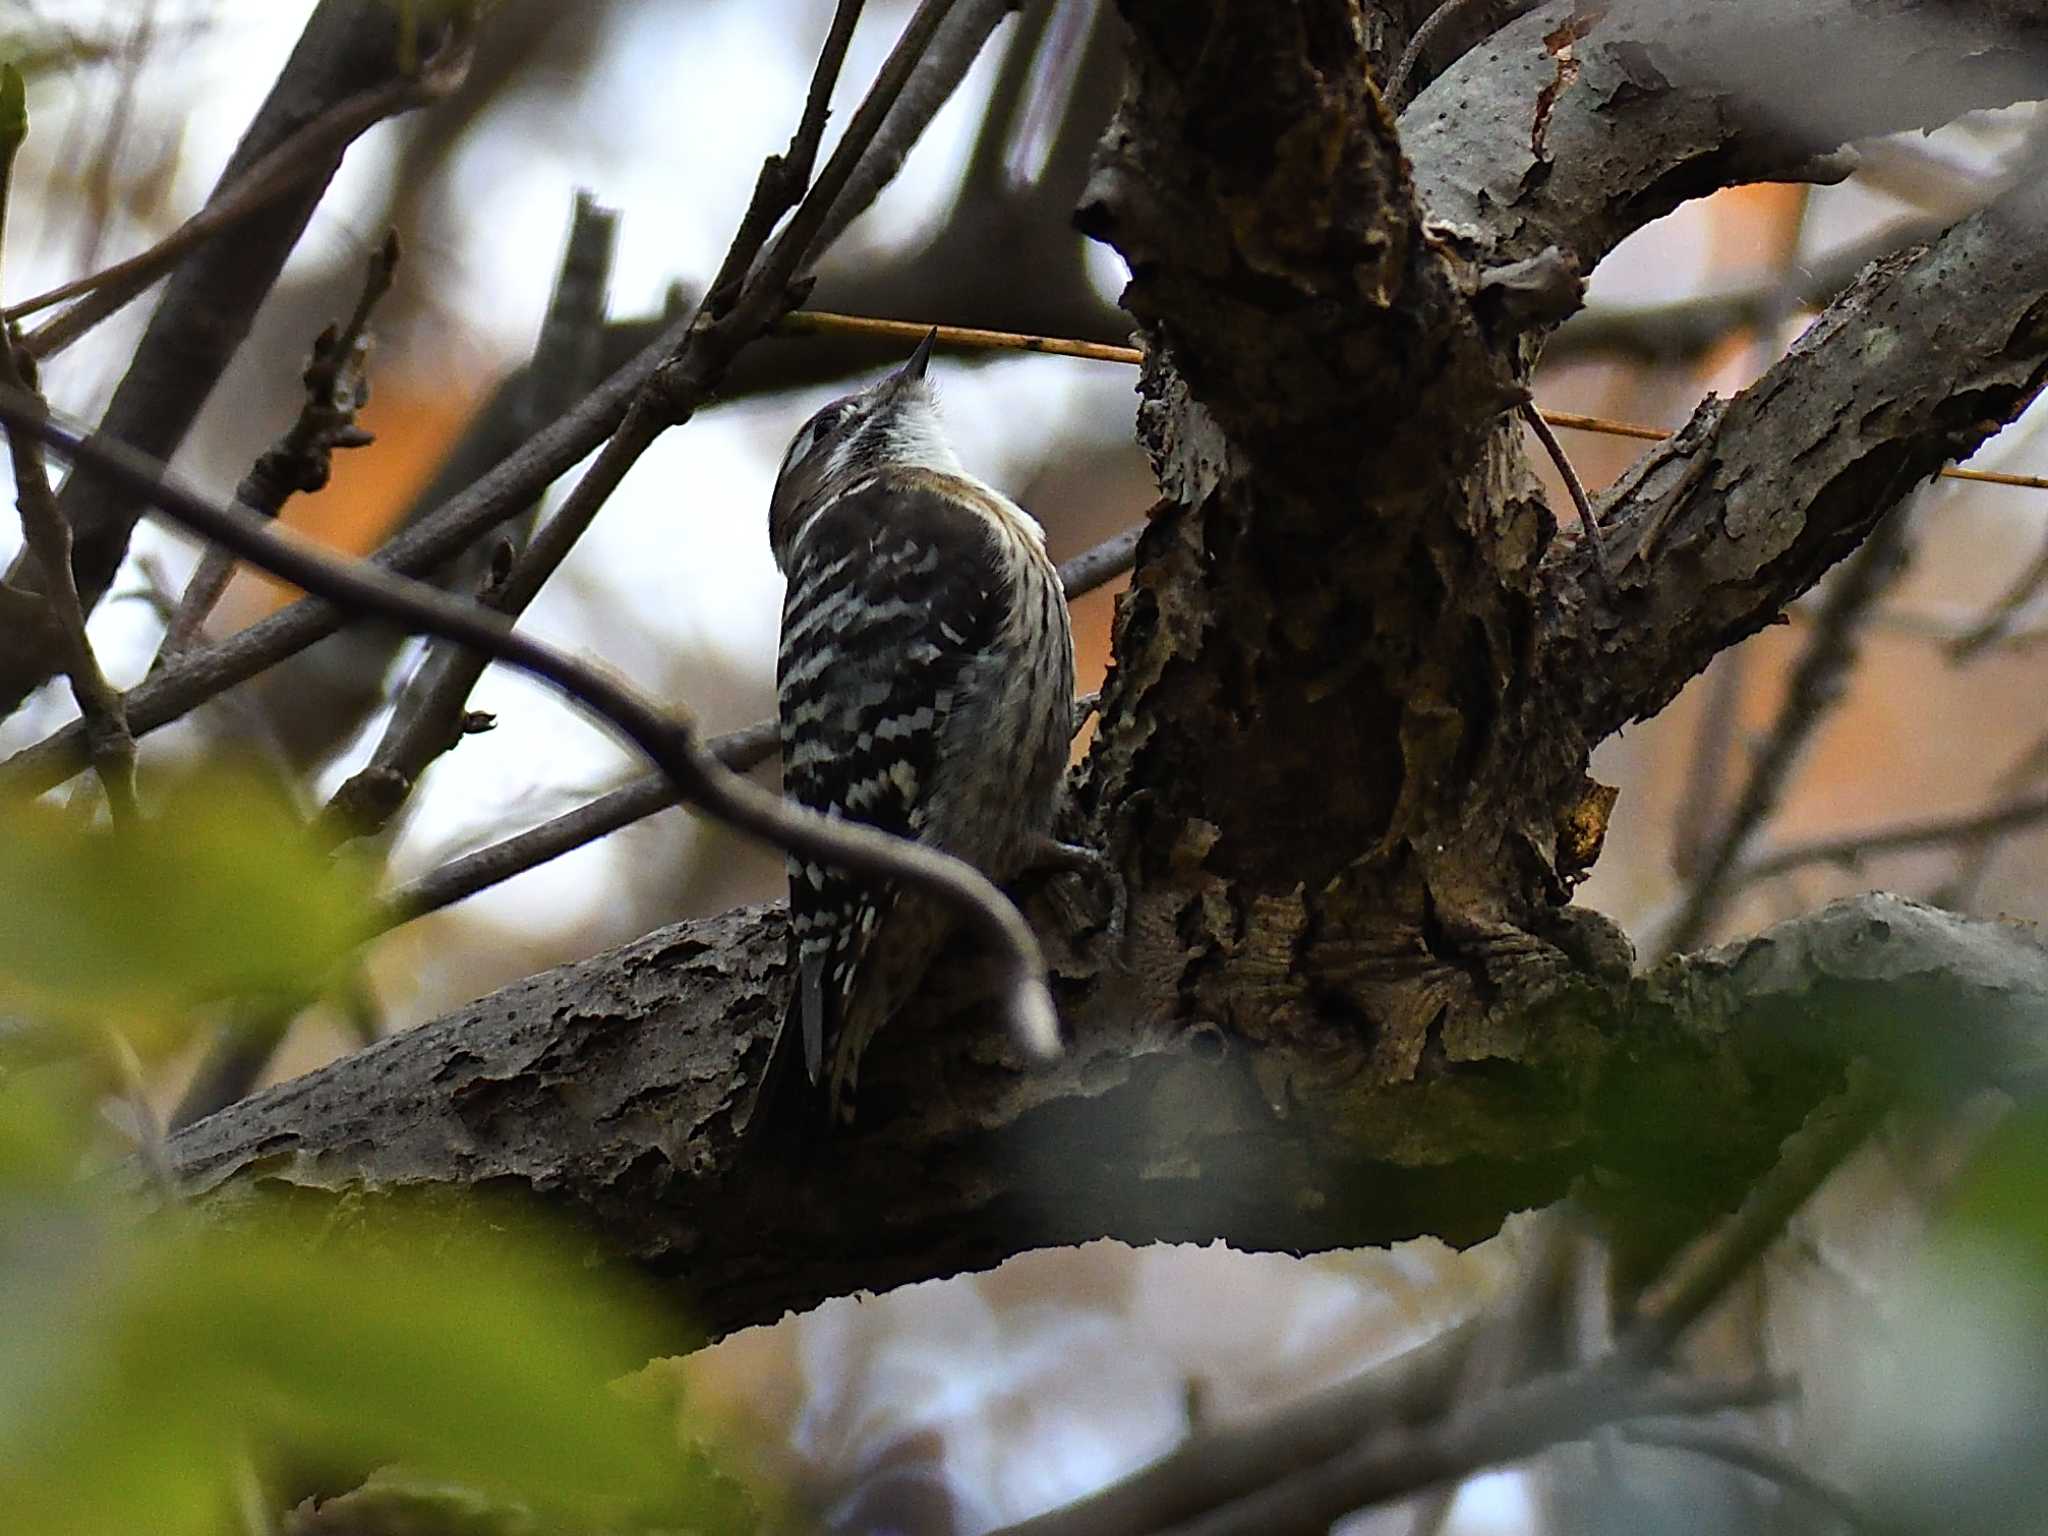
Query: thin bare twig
x=1686 y=328
x=783 y=178
x=740 y=750
x=818 y=322
x=1398 y=83
x=1702 y=1277
x=431 y=715
x=1715 y=734
x=1746 y=1455
x=236 y=1058
x=671 y=744
x=1578 y=421
x=1818 y=681
x=1999 y=619
x=1511 y=1427
x=1589 y=522
x=1516 y=1340
x=987 y=176
x=109 y=290
x=110 y=744
x=1942 y=623
x=99 y=190
x=1980 y=850
x=806 y=234
x=46 y=533
x=1850 y=849
x=1404 y=1429
x=301 y=460
x=661 y=387
x=462 y=877
x=1212 y=1469
x=148 y=1130
x=952 y=50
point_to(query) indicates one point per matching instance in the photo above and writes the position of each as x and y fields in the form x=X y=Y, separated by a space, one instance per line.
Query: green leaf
x=13 y=109
x=45 y=1124
x=217 y=894
x=478 y=1353
x=1998 y=1201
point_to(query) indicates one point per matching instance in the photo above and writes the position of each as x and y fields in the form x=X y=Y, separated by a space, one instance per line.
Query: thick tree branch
x=612 y=1090
x=1713 y=534
x=1578 y=124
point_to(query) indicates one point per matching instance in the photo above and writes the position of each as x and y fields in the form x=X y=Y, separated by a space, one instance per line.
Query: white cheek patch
x=915 y=440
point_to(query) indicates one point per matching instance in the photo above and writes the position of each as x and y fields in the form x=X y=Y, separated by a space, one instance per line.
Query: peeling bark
x=1582 y=122
x=609 y=1089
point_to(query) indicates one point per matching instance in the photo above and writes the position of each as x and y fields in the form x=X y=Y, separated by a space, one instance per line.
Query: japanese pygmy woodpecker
x=925 y=685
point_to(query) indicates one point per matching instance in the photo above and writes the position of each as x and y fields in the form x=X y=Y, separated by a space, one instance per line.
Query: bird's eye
x=815 y=431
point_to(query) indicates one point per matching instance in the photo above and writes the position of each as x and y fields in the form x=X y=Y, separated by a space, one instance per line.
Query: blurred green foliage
x=1952 y=1381
x=217 y=894
x=157 y=1362
x=145 y=1368
x=2002 y=1201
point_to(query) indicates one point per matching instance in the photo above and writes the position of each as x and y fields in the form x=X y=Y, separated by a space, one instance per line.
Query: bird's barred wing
x=892 y=590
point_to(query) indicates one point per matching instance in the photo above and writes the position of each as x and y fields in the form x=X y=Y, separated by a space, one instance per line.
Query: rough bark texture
x=1918 y=363
x=1342 y=759
x=611 y=1089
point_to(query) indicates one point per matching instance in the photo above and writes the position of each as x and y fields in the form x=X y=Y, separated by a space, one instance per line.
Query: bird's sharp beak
x=920 y=356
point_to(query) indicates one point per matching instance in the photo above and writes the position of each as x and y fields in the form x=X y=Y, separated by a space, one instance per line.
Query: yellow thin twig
x=1574 y=420
x=823 y=323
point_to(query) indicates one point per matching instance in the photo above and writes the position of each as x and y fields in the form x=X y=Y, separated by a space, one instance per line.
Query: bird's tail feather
x=786 y=1114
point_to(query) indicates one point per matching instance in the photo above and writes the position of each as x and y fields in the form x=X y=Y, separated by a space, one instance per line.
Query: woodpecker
x=925 y=685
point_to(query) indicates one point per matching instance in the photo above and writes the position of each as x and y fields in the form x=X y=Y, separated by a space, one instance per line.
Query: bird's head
x=891 y=424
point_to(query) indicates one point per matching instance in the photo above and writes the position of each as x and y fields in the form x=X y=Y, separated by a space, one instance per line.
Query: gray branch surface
x=1342 y=758
x=611 y=1089
x=1580 y=123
